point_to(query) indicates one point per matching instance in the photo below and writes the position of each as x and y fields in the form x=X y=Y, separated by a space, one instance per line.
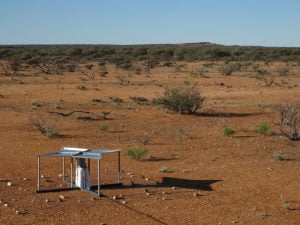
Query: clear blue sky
x=242 y=22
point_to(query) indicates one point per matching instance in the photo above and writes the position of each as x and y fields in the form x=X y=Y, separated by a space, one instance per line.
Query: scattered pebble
x=146 y=178
x=46 y=200
x=25 y=178
x=173 y=188
x=9 y=184
x=6 y=205
x=3 y=180
x=123 y=202
x=62 y=197
x=20 y=212
x=115 y=197
x=196 y=194
x=60 y=175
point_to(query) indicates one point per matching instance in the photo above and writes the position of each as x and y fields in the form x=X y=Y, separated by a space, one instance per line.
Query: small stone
x=173 y=188
x=42 y=176
x=196 y=194
x=146 y=178
x=20 y=212
x=164 y=198
x=61 y=197
x=6 y=205
x=20 y=188
x=164 y=193
x=9 y=184
x=123 y=202
x=147 y=194
x=115 y=197
x=47 y=200
x=131 y=176
x=60 y=175
x=25 y=178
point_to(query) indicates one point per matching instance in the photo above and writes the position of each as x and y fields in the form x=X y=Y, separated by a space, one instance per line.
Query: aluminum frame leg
x=63 y=169
x=71 y=172
x=119 y=167
x=99 y=177
x=38 y=173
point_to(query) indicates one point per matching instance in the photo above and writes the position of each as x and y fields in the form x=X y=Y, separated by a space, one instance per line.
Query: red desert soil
x=217 y=179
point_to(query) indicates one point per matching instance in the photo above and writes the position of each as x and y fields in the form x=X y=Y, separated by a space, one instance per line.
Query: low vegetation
x=45 y=126
x=184 y=99
x=103 y=127
x=227 y=131
x=164 y=170
x=229 y=68
x=137 y=154
x=290 y=121
x=139 y=100
x=263 y=128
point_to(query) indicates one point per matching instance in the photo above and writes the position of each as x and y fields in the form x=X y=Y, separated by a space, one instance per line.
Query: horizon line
x=201 y=44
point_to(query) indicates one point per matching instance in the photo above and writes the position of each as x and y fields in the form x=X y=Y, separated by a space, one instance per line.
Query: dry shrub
x=10 y=67
x=182 y=99
x=283 y=71
x=290 y=121
x=46 y=126
x=231 y=67
x=265 y=76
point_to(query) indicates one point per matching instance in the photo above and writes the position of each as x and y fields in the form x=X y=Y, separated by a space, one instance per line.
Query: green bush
x=164 y=170
x=103 y=127
x=137 y=154
x=182 y=99
x=263 y=128
x=227 y=131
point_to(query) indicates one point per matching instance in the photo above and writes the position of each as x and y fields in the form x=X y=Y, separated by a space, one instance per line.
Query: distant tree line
x=122 y=56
